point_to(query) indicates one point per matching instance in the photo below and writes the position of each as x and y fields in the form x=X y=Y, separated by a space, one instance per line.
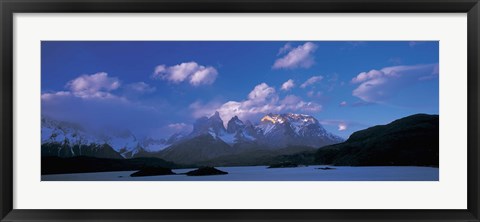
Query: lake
x=262 y=173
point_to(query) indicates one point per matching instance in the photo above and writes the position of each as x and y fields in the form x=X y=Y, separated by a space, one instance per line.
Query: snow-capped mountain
x=280 y=130
x=65 y=136
x=209 y=138
x=242 y=132
x=151 y=145
x=64 y=139
x=69 y=137
x=122 y=141
x=54 y=131
x=236 y=131
x=212 y=125
x=273 y=130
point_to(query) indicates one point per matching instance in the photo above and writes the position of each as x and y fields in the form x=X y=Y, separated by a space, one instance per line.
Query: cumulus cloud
x=289 y=84
x=261 y=100
x=299 y=57
x=376 y=86
x=192 y=72
x=287 y=47
x=95 y=86
x=311 y=81
x=292 y=102
x=140 y=87
x=200 y=109
x=261 y=93
x=53 y=95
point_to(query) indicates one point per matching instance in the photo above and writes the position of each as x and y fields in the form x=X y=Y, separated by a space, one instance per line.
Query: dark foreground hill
x=410 y=141
x=84 y=164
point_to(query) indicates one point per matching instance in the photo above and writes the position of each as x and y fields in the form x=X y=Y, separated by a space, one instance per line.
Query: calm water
x=261 y=173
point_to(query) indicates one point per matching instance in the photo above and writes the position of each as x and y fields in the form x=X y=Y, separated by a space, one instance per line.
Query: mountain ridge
x=210 y=133
x=412 y=140
x=409 y=141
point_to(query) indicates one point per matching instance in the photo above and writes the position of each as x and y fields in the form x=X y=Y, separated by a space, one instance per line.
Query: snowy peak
x=70 y=135
x=208 y=125
x=294 y=129
x=61 y=132
x=288 y=117
x=65 y=139
x=120 y=140
x=235 y=125
x=272 y=119
x=274 y=130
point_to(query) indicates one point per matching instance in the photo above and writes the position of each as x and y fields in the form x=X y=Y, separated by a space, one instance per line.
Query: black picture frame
x=9 y=7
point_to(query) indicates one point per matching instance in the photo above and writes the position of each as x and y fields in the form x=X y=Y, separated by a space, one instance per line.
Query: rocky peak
x=235 y=125
x=211 y=125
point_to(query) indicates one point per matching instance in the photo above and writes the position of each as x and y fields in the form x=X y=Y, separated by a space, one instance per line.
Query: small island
x=152 y=171
x=205 y=171
x=325 y=168
x=283 y=165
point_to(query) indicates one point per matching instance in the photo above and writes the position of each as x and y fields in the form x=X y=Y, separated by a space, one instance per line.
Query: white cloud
x=377 y=86
x=342 y=127
x=192 y=72
x=292 y=102
x=287 y=47
x=141 y=87
x=178 y=73
x=289 y=84
x=54 y=95
x=372 y=74
x=97 y=85
x=311 y=81
x=159 y=70
x=261 y=100
x=261 y=92
x=204 y=76
x=343 y=103
x=299 y=57
x=200 y=109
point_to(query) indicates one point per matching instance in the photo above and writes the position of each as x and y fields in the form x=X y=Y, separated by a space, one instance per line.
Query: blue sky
x=158 y=88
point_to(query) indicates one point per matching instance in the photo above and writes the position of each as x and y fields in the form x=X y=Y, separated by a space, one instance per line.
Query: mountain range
x=277 y=139
x=208 y=140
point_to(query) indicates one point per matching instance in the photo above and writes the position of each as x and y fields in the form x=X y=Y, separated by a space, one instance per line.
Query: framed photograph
x=253 y=111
